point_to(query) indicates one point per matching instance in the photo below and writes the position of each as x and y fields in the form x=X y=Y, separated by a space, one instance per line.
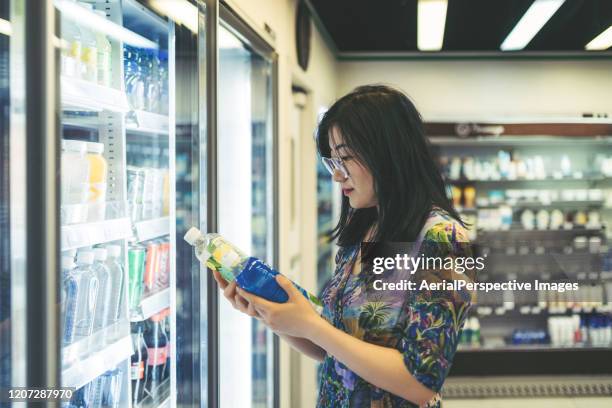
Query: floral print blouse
x=423 y=325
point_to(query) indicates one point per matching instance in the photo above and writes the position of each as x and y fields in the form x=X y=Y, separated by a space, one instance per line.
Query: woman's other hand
x=237 y=300
x=295 y=317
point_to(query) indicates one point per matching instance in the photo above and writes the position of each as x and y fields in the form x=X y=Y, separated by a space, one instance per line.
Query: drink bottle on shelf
x=71 y=52
x=250 y=273
x=156 y=341
x=136 y=265
x=113 y=262
x=98 y=168
x=138 y=364
x=89 y=53
x=102 y=315
x=87 y=295
x=104 y=55
x=70 y=288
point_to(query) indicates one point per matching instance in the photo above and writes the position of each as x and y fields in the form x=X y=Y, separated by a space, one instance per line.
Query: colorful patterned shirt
x=423 y=325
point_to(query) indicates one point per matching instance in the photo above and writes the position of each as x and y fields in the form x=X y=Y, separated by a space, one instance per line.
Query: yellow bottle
x=98 y=168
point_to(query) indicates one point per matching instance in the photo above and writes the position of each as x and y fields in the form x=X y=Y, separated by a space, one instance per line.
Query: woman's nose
x=338 y=176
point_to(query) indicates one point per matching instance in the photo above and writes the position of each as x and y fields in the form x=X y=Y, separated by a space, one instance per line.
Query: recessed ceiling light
x=530 y=24
x=602 y=42
x=430 y=24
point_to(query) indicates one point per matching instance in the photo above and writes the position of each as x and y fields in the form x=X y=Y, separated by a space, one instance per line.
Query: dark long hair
x=384 y=132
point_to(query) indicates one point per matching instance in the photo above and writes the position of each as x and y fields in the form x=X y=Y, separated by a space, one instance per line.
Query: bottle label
x=137 y=370
x=90 y=56
x=157 y=356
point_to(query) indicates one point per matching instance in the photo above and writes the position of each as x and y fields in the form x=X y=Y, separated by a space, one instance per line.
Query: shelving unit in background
x=523 y=254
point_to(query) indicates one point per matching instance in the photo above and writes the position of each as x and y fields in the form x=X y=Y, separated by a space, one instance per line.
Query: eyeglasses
x=332 y=164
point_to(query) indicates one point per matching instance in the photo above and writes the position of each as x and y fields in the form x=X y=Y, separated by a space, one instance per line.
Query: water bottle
x=89 y=53
x=87 y=295
x=251 y=274
x=71 y=51
x=113 y=262
x=70 y=288
x=99 y=267
x=104 y=55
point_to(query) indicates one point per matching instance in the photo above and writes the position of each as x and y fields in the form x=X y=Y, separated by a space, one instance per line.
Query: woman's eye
x=345 y=158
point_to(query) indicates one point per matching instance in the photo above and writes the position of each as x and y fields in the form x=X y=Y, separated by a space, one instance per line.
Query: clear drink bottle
x=87 y=295
x=70 y=288
x=102 y=315
x=250 y=273
x=113 y=262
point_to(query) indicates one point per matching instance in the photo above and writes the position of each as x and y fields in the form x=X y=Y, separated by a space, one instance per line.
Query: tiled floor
x=594 y=402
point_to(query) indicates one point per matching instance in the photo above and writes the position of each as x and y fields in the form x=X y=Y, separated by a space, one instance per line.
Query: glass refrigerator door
x=245 y=211
x=12 y=197
x=118 y=232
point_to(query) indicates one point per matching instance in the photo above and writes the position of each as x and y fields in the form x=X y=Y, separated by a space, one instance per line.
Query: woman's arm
x=305 y=346
x=382 y=366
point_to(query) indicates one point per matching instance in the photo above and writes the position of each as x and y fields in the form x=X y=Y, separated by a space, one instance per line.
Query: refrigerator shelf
x=78 y=94
x=81 y=235
x=161 y=401
x=154 y=228
x=151 y=305
x=147 y=123
x=84 y=370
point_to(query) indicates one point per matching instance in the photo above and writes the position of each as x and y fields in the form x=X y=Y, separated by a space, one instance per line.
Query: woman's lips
x=347 y=191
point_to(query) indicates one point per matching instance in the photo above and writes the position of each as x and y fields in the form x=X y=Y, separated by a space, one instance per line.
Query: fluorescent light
x=530 y=24
x=85 y=17
x=180 y=11
x=430 y=24
x=5 y=27
x=602 y=42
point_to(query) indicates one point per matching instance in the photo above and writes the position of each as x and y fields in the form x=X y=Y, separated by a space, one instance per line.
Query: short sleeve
x=432 y=319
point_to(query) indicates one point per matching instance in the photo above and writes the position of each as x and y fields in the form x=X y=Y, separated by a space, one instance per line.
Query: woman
x=378 y=348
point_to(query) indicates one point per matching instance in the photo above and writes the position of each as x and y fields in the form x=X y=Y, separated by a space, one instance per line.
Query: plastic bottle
x=113 y=262
x=136 y=265
x=71 y=52
x=97 y=181
x=74 y=182
x=138 y=362
x=166 y=327
x=104 y=71
x=250 y=273
x=87 y=295
x=89 y=54
x=70 y=288
x=134 y=82
x=102 y=316
x=156 y=341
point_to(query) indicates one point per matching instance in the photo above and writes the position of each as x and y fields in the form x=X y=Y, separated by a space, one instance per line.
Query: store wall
x=298 y=237
x=490 y=88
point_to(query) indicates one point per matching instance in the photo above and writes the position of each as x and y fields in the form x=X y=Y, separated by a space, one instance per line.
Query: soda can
x=164 y=266
x=151 y=266
x=135 y=185
x=136 y=265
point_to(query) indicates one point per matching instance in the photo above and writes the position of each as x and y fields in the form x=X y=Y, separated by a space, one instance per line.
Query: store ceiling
x=472 y=26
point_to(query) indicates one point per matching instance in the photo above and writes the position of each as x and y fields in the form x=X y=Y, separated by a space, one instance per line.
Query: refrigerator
x=12 y=194
x=106 y=164
x=131 y=293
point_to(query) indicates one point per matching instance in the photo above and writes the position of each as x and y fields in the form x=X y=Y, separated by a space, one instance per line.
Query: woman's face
x=359 y=186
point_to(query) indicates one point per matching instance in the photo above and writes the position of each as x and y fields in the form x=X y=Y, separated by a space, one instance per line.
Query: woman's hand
x=293 y=318
x=229 y=292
